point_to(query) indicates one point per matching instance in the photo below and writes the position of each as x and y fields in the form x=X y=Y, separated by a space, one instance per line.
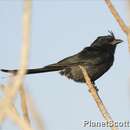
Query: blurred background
x=59 y=29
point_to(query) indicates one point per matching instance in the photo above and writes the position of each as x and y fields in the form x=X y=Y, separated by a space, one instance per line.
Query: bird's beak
x=116 y=41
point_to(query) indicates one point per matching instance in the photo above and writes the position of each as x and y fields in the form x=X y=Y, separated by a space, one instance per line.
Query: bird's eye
x=100 y=38
x=109 y=39
x=106 y=38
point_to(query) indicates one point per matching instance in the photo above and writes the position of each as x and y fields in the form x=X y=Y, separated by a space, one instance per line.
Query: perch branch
x=97 y=98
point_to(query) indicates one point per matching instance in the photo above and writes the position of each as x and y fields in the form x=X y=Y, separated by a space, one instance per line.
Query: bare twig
x=6 y=102
x=35 y=114
x=128 y=10
x=117 y=16
x=18 y=79
x=129 y=40
x=25 y=49
x=16 y=118
x=96 y=97
x=119 y=20
x=24 y=103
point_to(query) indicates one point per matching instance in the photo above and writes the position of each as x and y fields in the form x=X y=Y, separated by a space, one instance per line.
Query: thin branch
x=25 y=48
x=96 y=97
x=129 y=40
x=18 y=79
x=119 y=20
x=24 y=103
x=2 y=116
x=117 y=16
x=11 y=112
x=35 y=114
x=128 y=10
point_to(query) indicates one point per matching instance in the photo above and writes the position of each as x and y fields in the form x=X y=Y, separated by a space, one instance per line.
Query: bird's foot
x=96 y=88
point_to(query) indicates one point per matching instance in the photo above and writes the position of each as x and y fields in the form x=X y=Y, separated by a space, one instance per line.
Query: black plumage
x=97 y=59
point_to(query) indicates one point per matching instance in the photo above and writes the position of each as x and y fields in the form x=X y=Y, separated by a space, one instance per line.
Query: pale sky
x=59 y=29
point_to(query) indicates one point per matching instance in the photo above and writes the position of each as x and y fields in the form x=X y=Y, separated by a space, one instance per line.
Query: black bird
x=97 y=59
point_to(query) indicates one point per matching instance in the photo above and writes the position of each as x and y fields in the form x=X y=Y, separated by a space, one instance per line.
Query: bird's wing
x=94 y=56
x=89 y=56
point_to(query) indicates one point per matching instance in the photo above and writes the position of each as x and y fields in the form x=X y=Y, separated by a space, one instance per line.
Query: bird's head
x=106 y=41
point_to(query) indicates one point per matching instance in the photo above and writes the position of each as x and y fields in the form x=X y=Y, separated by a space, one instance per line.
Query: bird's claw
x=96 y=88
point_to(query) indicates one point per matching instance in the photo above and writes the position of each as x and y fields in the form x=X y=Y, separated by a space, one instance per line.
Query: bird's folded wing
x=89 y=56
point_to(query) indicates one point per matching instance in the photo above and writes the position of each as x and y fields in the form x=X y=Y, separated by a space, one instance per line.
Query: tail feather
x=9 y=71
x=49 y=68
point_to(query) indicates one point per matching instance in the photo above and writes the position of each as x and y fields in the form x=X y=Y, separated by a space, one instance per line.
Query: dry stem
x=119 y=20
x=6 y=102
x=35 y=114
x=96 y=97
x=24 y=103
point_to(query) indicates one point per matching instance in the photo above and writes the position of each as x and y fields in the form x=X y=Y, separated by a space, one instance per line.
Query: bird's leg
x=95 y=86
